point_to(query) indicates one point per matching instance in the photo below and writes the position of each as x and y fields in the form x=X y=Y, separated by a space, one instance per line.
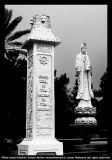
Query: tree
x=61 y=97
x=102 y=95
x=14 y=56
x=73 y=100
x=10 y=44
x=75 y=91
x=62 y=105
x=14 y=78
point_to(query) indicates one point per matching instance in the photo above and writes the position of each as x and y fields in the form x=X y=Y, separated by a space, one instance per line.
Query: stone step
x=99 y=139
x=97 y=146
x=86 y=147
x=80 y=141
x=98 y=142
x=81 y=154
x=71 y=141
x=98 y=150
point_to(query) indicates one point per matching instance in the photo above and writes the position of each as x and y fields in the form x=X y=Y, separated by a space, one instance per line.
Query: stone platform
x=40 y=147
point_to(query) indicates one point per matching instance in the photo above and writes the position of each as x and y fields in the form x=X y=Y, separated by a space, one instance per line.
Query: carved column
x=40 y=120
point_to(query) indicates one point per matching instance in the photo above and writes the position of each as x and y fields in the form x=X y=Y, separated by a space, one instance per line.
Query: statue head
x=41 y=22
x=83 y=48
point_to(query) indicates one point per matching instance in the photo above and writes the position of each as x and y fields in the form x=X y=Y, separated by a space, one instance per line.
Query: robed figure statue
x=84 y=71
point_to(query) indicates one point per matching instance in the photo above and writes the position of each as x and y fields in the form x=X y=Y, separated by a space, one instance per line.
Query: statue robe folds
x=84 y=89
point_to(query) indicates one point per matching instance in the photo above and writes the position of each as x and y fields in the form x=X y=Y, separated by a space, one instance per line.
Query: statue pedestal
x=40 y=116
x=86 y=111
x=85 y=122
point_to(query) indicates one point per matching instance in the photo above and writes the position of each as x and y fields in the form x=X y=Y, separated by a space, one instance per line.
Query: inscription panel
x=43 y=99
x=44 y=96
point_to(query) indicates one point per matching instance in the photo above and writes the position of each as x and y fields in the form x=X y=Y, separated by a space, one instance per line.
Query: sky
x=73 y=24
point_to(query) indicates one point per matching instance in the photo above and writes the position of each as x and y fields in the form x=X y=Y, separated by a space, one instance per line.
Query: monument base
x=40 y=147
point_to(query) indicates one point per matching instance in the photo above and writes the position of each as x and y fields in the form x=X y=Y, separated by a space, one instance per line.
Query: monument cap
x=41 y=31
x=39 y=20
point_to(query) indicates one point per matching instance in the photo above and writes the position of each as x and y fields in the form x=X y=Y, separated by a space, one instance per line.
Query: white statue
x=84 y=71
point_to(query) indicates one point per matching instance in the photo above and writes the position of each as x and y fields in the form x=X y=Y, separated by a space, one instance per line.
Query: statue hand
x=88 y=68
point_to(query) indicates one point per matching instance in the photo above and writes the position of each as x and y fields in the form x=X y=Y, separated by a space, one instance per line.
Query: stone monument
x=84 y=71
x=40 y=121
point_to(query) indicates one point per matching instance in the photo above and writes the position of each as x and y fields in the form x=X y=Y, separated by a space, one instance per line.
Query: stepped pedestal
x=86 y=113
x=86 y=121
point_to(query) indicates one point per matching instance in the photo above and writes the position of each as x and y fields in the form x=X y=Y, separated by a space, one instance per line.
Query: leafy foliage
x=62 y=99
x=14 y=79
x=102 y=94
x=75 y=91
x=10 y=36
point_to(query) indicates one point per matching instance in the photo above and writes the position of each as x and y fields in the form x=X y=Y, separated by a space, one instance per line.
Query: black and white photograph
x=55 y=81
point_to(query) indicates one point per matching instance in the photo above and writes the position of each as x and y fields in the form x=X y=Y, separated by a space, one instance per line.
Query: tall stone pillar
x=40 y=111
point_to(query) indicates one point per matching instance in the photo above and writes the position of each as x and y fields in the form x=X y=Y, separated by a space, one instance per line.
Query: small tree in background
x=61 y=97
x=14 y=79
x=75 y=91
x=12 y=48
x=102 y=95
x=62 y=105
